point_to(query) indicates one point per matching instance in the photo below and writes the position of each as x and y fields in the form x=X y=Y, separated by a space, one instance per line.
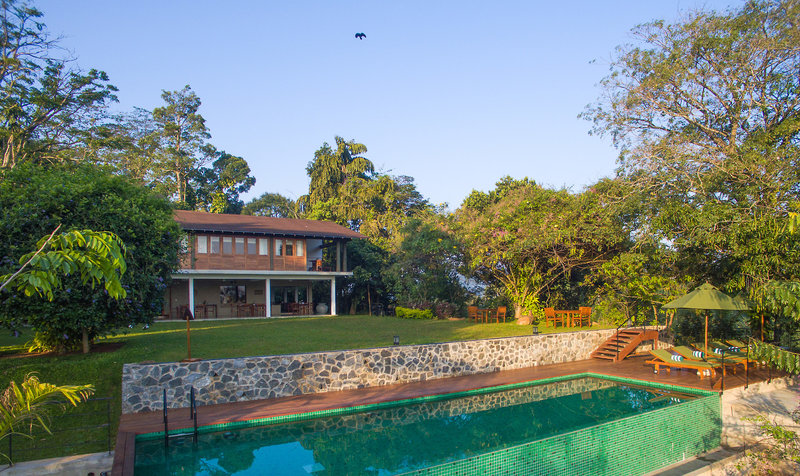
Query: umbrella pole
x=706 y=349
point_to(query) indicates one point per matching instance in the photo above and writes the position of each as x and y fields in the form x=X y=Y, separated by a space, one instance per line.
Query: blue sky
x=453 y=93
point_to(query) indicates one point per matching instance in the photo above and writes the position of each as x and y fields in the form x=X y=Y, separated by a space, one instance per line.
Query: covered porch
x=220 y=294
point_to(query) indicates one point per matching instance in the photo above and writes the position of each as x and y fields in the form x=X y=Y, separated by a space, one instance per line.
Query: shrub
x=407 y=313
x=34 y=200
x=443 y=309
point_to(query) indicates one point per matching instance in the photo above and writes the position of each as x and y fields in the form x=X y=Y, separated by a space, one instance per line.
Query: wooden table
x=483 y=315
x=568 y=315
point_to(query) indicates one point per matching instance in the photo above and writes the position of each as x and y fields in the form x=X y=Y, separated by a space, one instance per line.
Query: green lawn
x=166 y=341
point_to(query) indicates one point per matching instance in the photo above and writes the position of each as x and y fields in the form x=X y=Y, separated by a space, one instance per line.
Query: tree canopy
x=34 y=200
x=706 y=115
x=525 y=239
x=47 y=105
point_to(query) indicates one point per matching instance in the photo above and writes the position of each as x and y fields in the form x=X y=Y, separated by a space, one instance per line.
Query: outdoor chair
x=472 y=313
x=737 y=343
x=700 y=355
x=584 y=317
x=668 y=360
x=501 y=313
x=551 y=316
x=738 y=357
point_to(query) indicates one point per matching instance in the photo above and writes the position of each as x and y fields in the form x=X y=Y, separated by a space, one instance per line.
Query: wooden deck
x=633 y=367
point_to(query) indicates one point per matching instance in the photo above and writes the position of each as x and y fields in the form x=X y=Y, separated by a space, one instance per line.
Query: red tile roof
x=249 y=224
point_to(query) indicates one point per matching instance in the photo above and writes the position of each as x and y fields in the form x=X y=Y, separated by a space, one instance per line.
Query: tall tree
x=331 y=169
x=273 y=205
x=526 y=239
x=706 y=114
x=45 y=104
x=183 y=133
x=216 y=189
x=428 y=264
x=130 y=144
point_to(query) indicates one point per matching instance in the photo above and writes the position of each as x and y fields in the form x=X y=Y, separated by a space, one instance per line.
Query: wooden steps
x=621 y=345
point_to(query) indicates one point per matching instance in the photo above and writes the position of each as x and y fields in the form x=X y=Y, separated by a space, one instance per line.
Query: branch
x=19 y=271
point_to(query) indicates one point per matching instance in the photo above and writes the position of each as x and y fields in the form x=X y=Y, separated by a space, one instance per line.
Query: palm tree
x=331 y=169
x=29 y=405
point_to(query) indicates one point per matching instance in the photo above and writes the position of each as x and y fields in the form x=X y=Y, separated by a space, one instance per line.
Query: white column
x=296 y=292
x=191 y=295
x=309 y=295
x=268 y=298
x=333 y=296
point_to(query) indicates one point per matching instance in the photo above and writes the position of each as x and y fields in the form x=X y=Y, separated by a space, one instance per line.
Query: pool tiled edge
x=633 y=445
x=618 y=447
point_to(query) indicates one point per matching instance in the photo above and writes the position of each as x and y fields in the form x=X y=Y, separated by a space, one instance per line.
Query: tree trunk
x=369 y=301
x=85 y=341
x=521 y=320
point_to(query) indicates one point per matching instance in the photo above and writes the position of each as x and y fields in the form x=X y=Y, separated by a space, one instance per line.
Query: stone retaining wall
x=254 y=378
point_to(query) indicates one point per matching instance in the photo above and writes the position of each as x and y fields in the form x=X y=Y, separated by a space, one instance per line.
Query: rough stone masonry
x=254 y=378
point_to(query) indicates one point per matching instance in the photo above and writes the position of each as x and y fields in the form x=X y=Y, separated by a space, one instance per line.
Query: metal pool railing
x=192 y=415
x=82 y=429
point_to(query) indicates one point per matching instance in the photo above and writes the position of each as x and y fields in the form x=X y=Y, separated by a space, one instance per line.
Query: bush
x=407 y=313
x=443 y=310
x=34 y=200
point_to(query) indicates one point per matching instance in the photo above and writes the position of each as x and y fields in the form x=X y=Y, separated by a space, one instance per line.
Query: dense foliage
x=96 y=257
x=407 y=313
x=34 y=200
x=531 y=241
x=705 y=112
x=47 y=107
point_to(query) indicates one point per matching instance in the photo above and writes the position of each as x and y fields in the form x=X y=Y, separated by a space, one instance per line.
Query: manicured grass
x=166 y=341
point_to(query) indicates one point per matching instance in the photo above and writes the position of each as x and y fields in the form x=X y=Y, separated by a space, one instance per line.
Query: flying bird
x=360 y=36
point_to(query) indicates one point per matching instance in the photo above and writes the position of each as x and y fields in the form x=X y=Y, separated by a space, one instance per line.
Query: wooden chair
x=584 y=317
x=200 y=312
x=472 y=313
x=501 y=313
x=551 y=316
x=211 y=311
x=244 y=310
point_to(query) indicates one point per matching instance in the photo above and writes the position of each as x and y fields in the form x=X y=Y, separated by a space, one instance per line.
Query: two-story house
x=251 y=266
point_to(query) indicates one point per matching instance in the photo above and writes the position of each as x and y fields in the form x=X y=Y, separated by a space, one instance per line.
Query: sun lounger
x=731 y=353
x=664 y=358
x=737 y=343
x=703 y=356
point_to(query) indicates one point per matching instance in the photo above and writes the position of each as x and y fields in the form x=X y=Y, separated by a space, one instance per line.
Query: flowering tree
x=524 y=238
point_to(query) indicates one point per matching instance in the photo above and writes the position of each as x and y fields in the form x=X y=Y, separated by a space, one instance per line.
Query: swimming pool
x=577 y=425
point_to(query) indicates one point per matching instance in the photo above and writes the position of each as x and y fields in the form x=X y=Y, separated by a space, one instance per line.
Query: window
x=239 y=246
x=251 y=246
x=202 y=244
x=227 y=245
x=215 y=244
x=299 y=247
x=289 y=247
x=278 y=247
x=263 y=246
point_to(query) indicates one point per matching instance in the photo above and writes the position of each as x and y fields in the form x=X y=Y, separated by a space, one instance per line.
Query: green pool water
x=400 y=438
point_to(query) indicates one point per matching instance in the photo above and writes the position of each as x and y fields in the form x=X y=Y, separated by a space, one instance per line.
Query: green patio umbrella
x=709 y=298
